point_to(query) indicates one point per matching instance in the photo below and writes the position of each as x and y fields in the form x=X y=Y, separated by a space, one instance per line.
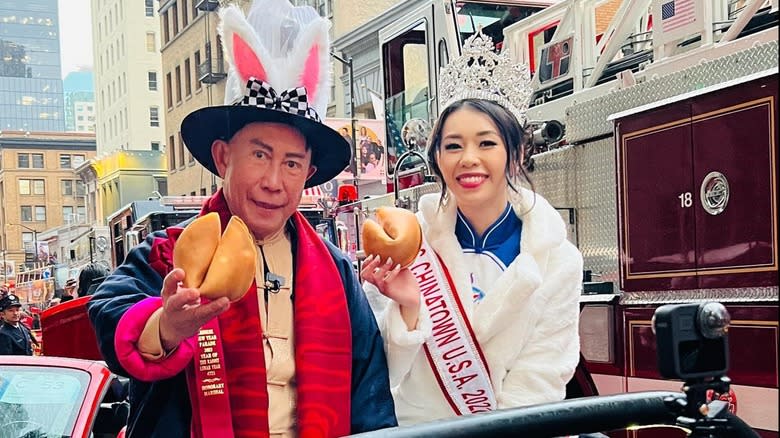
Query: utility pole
x=356 y=159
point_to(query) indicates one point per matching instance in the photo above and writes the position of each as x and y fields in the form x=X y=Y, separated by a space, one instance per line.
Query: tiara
x=481 y=73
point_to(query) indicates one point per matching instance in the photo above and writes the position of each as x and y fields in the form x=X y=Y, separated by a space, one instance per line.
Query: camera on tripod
x=692 y=340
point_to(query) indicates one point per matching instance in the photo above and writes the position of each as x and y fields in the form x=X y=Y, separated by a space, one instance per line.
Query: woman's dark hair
x=514 y=136
x=87 y=274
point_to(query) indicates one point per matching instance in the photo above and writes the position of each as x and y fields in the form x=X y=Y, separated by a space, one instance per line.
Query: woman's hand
x=395 y=283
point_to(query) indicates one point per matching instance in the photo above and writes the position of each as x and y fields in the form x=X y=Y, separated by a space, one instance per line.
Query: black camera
x=692 y=340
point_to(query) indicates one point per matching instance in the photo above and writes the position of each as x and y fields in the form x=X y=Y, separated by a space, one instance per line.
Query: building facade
x=128 y=92
x=193 y=72
x=364 y=50
x=79 y=91
x=30 y=70
x=39 y=190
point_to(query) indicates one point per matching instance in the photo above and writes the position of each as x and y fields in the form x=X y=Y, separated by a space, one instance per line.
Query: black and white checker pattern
x=292 y=100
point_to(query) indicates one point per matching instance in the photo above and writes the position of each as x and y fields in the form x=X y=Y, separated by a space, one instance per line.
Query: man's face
x=264 y=167
x=12 y=314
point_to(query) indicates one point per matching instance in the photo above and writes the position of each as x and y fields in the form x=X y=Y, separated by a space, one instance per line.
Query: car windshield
x=40 y=402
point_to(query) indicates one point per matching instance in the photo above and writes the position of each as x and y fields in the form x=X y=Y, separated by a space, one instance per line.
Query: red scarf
x=323 y=342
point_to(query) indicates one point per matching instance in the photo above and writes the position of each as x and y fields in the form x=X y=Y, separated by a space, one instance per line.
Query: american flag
x=394 y=134
x=677 y=13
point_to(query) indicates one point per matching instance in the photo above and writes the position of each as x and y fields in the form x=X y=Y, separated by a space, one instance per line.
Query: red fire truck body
x=667 y=172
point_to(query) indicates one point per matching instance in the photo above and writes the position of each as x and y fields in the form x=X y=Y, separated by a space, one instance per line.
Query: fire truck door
x=657 y=229
x=407 y=67
x=735 y=185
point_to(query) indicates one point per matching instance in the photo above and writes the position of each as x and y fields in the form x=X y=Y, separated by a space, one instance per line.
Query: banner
x=43 y=252
x=8 y=269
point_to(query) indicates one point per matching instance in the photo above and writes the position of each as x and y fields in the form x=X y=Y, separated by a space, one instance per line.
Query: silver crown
x=482 y=73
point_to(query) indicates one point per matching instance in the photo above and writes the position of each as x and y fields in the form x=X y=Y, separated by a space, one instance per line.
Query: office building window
x=26 y=213
x=152 y=80
x=78 y=160
x=187 y=78
x=150 y=8
x=81 y=189
x=27 y=161
x=81 y=213
x=151 y=44
x=31 y=187
x=178 y=84
x=23 y=161
x=154 y=116
x=197 y=64
x=175 y=19
x=171 y=150
x=166 y=29
x=185 y=18
x=169 y=91
x=40 y=213
x=67 y=187
x=65 y=162
x=181 y=151
x=155 y=145
x=67 y=213
x=195 y=8
x=27 y=237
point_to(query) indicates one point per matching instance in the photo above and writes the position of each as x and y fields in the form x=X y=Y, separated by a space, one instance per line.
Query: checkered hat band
x=292 y=100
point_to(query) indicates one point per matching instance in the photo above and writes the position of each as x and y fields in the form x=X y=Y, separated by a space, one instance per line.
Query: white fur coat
x=527 y=324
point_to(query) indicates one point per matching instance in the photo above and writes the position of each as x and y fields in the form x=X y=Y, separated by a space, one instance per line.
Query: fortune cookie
x=397 y=235
x=218 y=264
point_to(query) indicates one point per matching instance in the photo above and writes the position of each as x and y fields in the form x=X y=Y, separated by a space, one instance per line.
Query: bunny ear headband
x=279 y=69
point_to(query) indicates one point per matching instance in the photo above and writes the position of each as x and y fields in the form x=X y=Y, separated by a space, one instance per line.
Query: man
x=15 y=338
x=89 y=278
x=300 y=354
x=70 y=290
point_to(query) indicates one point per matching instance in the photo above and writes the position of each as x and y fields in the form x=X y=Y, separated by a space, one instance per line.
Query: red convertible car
x=55 y=397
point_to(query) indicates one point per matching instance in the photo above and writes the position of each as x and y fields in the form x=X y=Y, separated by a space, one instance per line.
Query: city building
x=194 y=72
x=30 y=72
x=363 y=47
x=193 y=75
x=40 y=190
x=114 y=180
x=127 y=71
x=79 y=101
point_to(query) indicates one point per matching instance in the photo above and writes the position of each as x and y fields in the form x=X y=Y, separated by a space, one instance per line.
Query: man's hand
x=183 y=314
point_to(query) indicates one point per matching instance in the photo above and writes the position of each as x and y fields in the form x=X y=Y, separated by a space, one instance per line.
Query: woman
x=508 y=334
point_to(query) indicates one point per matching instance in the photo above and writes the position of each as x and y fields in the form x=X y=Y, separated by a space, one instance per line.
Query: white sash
x=453 y=352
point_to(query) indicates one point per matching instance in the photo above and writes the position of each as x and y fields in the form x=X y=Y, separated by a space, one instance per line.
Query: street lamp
x=355 y=149
x=35 y=237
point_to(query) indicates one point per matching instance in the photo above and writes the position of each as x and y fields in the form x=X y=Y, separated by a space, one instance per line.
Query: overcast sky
x=75 y=35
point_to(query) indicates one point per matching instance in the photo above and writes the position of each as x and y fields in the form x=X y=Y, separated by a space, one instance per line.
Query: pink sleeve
x=129 y=330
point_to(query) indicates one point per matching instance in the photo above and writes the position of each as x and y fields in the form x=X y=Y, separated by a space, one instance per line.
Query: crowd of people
x=486 y=318
x=18 y=322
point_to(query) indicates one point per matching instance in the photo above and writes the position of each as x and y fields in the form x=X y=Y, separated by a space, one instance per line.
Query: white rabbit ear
x=313 y=47
x=246 y=54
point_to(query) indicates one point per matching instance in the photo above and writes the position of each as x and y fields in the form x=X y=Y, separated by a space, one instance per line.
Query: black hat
x=9 y=301
x=273 y=79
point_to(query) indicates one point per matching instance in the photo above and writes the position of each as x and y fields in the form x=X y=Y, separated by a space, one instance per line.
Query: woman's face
x=472 y=159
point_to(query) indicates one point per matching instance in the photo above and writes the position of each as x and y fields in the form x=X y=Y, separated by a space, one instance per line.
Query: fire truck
x=130 y=225
x=655 y=135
